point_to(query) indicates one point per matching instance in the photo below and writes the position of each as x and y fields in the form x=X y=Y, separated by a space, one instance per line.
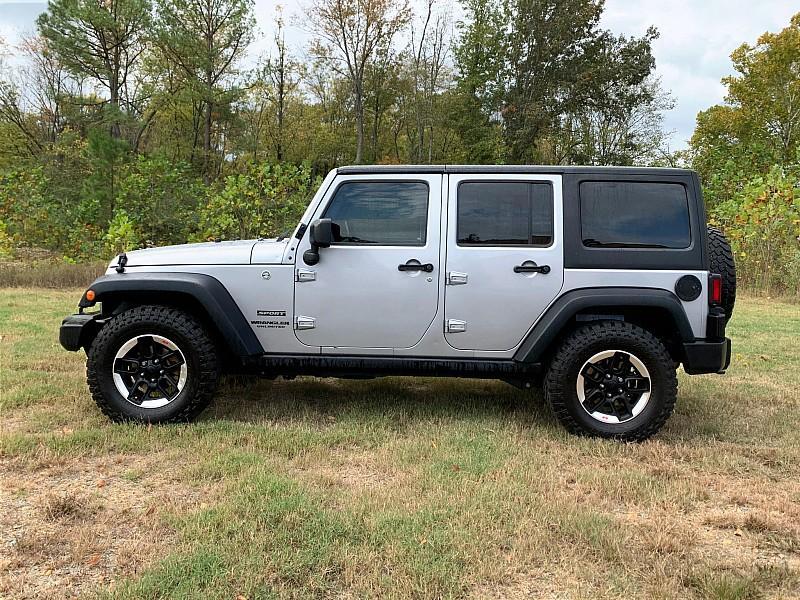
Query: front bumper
x=78 y=331
x=706 y=356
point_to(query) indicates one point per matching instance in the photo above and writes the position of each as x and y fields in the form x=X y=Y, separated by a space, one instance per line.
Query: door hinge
x=455 y=326
x=301 y=322
x=305 y=275
x=456 y=278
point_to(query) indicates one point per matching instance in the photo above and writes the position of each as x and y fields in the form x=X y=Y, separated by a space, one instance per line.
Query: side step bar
x=355 y=366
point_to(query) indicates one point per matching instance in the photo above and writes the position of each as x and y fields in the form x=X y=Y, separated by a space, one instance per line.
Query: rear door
x=504 y=261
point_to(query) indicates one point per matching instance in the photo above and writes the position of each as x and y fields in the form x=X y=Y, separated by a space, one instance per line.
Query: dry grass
x=68 y=527
x=49 y=274
x=398 y=487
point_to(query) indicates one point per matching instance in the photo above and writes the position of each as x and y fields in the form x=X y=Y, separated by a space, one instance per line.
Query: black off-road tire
x=720 y=258
x=186 y=332
x=562 y=376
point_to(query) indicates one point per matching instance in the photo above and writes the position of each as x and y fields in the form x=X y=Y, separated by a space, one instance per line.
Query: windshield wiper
x=593 y=243
x=354 y=240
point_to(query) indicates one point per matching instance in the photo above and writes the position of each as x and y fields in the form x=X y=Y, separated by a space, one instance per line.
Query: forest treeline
x=126 y=123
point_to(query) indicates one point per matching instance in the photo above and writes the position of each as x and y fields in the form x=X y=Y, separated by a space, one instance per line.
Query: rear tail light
x=715 y=290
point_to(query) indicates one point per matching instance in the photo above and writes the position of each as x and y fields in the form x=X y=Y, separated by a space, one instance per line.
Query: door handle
x=409 y=266
x=544 y=269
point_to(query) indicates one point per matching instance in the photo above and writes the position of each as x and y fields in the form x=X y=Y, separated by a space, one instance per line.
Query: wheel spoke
x=136 y=394
x=145 y=347
x=621 y=363
x=172 y=359
x=637 y=384
x=126 y=366
x=594 y=399
x=593 y=373
x=622 y=408
x=164 y=389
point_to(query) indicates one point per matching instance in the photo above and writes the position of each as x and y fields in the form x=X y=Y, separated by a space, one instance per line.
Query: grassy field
x=396 y=487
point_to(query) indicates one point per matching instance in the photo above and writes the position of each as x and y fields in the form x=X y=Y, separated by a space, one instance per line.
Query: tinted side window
x=505 y=213
x=385 y=213
x=634 y=214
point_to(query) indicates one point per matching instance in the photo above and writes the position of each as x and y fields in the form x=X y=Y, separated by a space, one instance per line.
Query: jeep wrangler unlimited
x=596 y=282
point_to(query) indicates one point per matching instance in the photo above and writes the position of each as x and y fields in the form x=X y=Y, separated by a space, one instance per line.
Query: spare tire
x=721 y=262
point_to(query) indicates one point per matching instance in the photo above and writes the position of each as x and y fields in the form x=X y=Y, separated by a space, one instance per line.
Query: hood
x=208 y=253
x=270 y=252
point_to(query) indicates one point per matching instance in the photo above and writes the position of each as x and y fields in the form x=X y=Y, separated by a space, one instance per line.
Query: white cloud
x=697 y=38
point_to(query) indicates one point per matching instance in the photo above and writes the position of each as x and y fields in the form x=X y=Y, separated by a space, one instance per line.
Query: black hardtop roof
x=511 y=169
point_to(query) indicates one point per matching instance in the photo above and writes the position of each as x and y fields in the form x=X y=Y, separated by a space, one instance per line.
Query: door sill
x=355 y=365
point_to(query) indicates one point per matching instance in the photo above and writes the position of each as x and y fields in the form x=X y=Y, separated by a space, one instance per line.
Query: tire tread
x=176 y=319
x=556 y=380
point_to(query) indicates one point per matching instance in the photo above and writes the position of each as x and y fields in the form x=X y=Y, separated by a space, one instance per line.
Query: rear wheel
x=612 y=379
x=152 y=364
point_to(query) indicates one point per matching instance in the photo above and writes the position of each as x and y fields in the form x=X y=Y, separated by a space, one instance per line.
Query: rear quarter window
x=634 y=214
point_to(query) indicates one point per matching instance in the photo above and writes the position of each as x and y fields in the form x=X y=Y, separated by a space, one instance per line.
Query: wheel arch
x=201 y=295
x=658 y=311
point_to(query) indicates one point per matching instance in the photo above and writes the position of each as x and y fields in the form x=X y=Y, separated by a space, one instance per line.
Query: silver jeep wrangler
x=595 y=282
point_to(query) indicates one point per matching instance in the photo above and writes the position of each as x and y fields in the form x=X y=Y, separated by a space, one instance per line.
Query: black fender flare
x=204 y=290
x=563 y=310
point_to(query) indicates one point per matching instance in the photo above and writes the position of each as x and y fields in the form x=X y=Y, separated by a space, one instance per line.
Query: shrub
x=6 y=243
x=121 y=235
x=762 y=221
x=162 y=199
x=264 y=200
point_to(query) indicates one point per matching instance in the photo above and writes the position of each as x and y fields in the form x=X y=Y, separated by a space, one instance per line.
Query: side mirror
x=321 y=234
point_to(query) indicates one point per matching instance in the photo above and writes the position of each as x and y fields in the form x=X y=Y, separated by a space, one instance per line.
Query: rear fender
x=562 y=314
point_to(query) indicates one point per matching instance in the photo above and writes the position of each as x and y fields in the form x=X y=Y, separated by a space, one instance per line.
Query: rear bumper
x=78 y=331
x=706 y=356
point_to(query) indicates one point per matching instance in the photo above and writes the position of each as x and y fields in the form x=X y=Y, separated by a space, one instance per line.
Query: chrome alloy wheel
x=613 y=386
x=149 y=371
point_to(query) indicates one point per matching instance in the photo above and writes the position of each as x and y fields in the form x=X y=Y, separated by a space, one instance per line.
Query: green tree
x=161 y=197
x=758 y=125
x=108 y=157
x=205 y=39
x=479 y=57
x=549 y=49
x=619 y=118
x=536 y=71
x=352 y=34
x=102 y=41
x=426 y=69
x=762 y=221
x=263 y=200
x=271 y=98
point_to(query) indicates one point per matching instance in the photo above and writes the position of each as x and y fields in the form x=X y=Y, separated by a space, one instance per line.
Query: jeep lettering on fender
x=593 y=282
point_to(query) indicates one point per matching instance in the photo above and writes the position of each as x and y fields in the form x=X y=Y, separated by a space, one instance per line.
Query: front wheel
x=152 y=364
x=612 y=379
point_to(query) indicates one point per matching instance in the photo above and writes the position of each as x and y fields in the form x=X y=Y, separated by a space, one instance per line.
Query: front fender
x=183 y=290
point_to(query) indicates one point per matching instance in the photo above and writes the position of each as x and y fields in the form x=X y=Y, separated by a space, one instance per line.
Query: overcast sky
x=692 y=54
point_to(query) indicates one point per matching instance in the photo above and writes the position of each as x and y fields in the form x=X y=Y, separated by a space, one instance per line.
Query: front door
x=376 y=286
x=504 y=257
